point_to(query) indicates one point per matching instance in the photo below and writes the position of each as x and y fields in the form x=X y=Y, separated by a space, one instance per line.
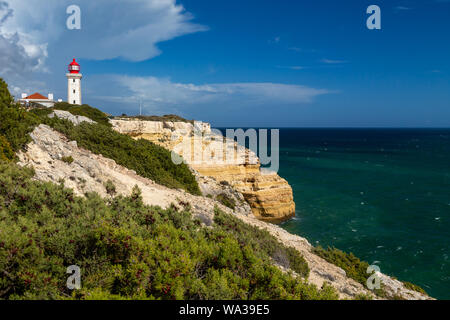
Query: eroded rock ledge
x=269 y=196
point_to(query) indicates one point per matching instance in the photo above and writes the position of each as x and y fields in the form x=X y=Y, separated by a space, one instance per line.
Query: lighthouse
x=74 y=83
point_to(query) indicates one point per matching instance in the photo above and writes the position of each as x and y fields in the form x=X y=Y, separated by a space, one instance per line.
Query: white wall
x=74 y=88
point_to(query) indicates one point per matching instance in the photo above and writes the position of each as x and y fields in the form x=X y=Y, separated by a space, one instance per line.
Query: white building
x=37 y=98
x=74 y=83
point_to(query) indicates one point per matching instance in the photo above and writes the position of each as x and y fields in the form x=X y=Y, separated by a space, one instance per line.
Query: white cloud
x=275 y=40
x=297 y=49
x=402 y=8
x=330 y=61
x=159 y=93
x=127 y=29
x=292 y=67
x=16 y=58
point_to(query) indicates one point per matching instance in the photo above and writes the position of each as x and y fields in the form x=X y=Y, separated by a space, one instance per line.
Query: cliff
x=269 y=196
x=89 y=172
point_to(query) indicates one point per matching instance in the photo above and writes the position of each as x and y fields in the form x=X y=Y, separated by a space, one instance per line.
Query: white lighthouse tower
x=74 y=83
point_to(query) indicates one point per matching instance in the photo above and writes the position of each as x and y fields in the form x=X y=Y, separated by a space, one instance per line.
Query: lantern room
x=74 y=67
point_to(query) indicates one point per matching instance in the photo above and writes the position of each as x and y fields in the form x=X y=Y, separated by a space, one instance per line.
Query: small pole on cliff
x=140 y=106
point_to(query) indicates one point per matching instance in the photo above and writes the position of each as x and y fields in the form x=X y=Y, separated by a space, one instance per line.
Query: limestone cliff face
x=269 y=196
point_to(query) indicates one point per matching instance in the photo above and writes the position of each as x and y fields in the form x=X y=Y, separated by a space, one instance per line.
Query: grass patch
x=67 y=160
x=226 y=200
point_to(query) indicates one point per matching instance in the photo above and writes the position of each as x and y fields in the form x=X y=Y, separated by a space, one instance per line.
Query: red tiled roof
x=37 y=96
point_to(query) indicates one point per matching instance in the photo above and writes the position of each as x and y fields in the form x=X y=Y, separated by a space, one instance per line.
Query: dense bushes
x=146 y=158
x=354 y=268
x=357 y=269
x=126 y=249
x=84 y=110
x=6 y=153
x=15 y=123
x=167 y=117
x=5 y=96
x=262 y=242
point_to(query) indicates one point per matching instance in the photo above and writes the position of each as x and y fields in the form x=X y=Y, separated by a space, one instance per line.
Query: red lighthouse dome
x=74 y=67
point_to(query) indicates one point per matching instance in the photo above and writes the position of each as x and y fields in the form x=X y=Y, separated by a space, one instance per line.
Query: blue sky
x=245 y=63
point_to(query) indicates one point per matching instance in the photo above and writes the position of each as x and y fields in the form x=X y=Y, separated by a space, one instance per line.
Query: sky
x=235 y=63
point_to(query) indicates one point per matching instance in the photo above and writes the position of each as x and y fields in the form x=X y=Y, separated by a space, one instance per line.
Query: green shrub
x=125 y=249
x=414 y=287
x=354 y=268
x=85 y=111
x=167 y=117
x=6 y=99
x=146 y=158
x=110 y=188
x=363 y=296
x=15 y=122
x=67 y=160
x=226 y=200
x=6 y=153
x=262 y=242
x=41 y=112
x=357 y=269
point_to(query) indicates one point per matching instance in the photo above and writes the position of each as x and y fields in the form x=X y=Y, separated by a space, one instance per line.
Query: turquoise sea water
x=383 y=194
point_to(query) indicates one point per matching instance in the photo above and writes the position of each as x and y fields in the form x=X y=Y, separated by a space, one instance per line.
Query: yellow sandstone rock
x=269 y=196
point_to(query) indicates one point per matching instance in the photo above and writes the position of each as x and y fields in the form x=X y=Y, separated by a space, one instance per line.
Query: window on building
x=73 y=90
x=73 y=80
x=74 y=101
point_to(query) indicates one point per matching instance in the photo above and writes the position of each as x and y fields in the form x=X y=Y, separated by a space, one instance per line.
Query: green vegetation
x=6 y=99
x=414 y=287
x=357 y=269
x=226 y=200
x=354 y=268
x=167 y=117
x=84 y=110
x=146 y=158
x=67 y=160
x=15 y=123
x=262 y=242
x=6 y=153
x=110 y=188
x=127 y=250
x=363 y=296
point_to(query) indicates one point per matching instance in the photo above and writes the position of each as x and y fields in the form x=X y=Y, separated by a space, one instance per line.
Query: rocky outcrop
x=269 y=196
x=68 y=116
x=89 y=172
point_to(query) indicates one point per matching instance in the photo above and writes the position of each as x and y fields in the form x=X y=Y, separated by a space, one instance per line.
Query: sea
x=382 y=194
